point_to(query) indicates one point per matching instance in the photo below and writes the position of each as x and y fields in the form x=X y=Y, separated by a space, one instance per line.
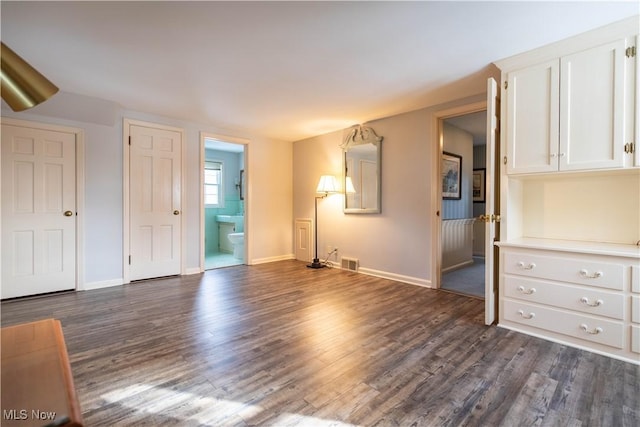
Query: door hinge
x=129 y=259
x=129 y=139
x=506 y=85
x=630 y=52
x=629 y=147
x=504 y=160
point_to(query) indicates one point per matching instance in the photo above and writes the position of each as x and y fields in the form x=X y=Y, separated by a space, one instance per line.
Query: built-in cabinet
x=574 y=112
x=573 y=292
x=570 y=192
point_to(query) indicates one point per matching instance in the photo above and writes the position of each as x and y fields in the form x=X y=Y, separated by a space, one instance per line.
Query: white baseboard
x=272 y=259
x=391 y=276
x=102 y=284
x=192 y=270
x=457 y=266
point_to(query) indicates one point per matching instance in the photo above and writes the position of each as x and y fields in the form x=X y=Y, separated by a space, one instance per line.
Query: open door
x=491 y=217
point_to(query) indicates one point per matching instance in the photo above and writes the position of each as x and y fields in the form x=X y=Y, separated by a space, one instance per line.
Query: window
x=213 y=190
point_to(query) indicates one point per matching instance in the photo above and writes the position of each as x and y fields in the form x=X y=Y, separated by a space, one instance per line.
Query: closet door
x=38 y=211
x=155 y=202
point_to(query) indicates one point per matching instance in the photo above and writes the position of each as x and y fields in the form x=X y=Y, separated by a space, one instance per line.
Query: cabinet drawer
x=635 y=309
x=635 y=339
x=566 y=269
x=585 y=327
x=586 y=300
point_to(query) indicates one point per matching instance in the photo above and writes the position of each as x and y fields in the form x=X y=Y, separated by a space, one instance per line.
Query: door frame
x=436 y=189
x=79 y=186
x=126 y=217
x=247 y=189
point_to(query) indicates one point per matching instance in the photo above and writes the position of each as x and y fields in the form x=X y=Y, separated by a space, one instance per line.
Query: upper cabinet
x=533 y=118
x=573 y=112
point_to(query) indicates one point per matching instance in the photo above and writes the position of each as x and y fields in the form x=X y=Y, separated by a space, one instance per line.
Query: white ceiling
x=285 y=70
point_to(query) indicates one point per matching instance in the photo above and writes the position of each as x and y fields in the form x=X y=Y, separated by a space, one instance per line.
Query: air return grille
x=349 y=264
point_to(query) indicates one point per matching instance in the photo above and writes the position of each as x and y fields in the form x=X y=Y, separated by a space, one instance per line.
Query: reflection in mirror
x=362 y=154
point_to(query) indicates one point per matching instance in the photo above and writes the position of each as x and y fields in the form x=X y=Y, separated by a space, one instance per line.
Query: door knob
x=176 y=212
x=68 y=213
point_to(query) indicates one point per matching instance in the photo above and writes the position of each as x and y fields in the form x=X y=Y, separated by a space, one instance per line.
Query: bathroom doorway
x=462 y=234
x=223 y=178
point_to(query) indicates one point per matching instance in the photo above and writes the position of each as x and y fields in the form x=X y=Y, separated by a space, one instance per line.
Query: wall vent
x=349 y=264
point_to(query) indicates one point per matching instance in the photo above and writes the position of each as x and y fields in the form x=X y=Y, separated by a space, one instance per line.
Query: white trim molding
x=271 y=259
x=396 y=277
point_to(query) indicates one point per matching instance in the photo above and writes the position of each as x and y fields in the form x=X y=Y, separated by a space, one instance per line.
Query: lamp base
x=316 y=264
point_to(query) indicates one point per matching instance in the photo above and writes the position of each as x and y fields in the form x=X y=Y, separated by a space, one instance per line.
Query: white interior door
x=154 y=202
x=38 y=211
x=491 y=197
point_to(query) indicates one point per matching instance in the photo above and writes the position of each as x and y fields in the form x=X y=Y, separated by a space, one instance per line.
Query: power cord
x=326 y=262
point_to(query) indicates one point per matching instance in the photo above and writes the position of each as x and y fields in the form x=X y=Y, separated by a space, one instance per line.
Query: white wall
x=397 y=242
x=269 y=177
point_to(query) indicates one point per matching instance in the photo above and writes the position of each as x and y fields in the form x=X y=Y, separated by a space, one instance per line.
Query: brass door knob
x=176 y=212
x=68 y=213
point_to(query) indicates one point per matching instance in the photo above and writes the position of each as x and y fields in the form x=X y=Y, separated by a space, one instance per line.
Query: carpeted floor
x=468 y=280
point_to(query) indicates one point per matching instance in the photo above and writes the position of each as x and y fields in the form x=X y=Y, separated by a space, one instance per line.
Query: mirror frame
x=362 y=135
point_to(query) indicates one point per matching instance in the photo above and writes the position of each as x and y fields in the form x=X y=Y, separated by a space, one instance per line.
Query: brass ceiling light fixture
x=22 y=86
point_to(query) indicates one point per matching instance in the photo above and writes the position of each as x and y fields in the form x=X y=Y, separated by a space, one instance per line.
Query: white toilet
x=237 y=240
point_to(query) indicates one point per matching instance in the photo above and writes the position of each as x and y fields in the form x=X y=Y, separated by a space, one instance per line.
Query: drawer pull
x=597 y=303
x=586 y=275
x=596 y=331
x=526 y=292
x=529 y=266
x=526 y=316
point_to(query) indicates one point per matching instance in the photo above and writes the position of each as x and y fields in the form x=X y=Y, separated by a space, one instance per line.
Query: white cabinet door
x=38 y=211
x=533 y=118
x=635 y=106
x=155 y=196
x=592 y=108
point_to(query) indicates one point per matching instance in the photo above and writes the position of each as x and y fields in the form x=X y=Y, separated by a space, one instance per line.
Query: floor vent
x=349 y=264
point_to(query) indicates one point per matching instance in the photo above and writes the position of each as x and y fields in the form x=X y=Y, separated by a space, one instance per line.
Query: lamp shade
x=21 y=85
x=350 y=189
x=327 y=184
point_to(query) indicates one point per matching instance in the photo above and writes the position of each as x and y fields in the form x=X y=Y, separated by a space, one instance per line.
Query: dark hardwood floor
x=281 y=344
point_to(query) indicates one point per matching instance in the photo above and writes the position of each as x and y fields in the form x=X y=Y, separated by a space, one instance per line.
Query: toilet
x=237 y=240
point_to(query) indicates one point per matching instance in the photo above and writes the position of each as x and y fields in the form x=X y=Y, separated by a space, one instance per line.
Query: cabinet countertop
x=596 y=248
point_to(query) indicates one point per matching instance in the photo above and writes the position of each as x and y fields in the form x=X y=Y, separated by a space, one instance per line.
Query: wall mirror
x=361 y=179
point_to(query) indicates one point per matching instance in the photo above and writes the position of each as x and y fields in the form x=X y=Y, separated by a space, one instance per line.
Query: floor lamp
x=327 y=184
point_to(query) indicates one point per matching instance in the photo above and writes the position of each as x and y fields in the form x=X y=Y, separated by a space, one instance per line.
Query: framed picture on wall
x=479 y=183
x=451 y=176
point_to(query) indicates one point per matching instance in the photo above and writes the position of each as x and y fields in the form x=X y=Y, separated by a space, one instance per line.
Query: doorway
x=491 y=217
x=224 y=197
x=463 y=236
